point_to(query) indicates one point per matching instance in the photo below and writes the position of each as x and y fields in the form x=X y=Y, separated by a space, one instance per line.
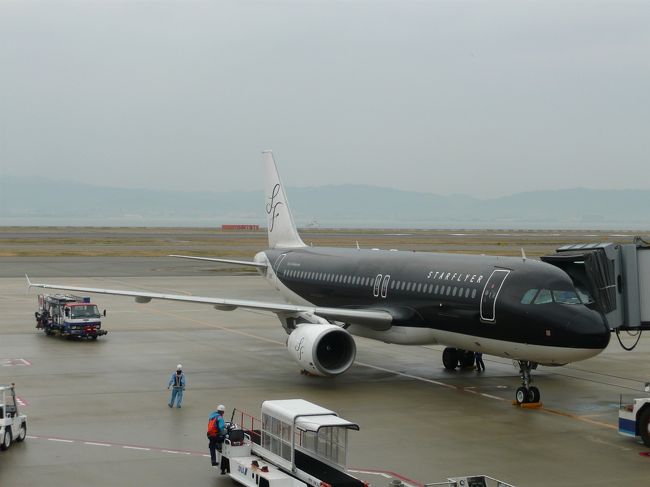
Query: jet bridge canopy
x=616 y=276
x=590 y=269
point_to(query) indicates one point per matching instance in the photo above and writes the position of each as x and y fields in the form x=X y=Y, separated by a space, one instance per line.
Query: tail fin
x=281 y=228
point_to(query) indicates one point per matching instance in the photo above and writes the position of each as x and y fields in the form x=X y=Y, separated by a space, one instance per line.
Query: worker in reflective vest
x=216 y=433
x=177 y=383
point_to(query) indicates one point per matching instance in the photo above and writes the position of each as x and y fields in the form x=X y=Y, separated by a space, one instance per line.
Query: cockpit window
x=528 y=297
x=584 y=296
x=544 y=297
x=562 y=296
x=566 y=297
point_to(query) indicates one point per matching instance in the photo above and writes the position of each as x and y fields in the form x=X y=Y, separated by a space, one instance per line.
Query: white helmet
x=179 y=367
x=221 y=408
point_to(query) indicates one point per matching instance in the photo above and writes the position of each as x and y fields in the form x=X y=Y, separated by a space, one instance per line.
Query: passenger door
x=490 y=294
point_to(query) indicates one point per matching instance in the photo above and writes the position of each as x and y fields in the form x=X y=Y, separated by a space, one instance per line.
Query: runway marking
x=388 y=474
x=220 y=327
x=403 y=374
x=13 y=362
x=384 y=473
x=117 y=445
x=584 y=419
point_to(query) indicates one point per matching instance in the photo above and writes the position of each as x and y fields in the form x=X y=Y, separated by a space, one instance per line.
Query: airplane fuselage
x=511 y=307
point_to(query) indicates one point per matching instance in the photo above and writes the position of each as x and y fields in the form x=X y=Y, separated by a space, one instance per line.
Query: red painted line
x=196 y=453
x=391 y=473
x=644 y=453
x=12 y=362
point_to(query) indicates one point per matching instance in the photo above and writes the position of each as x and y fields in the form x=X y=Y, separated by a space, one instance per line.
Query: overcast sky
x=482 y=98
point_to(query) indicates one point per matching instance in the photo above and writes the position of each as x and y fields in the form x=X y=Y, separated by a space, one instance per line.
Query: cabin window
x=453 y=291
x=442 y=290
x=419 y=287
x=473 y=293
x=467 y=292
x=448 y=290
x=430 y=288
x=544 y=297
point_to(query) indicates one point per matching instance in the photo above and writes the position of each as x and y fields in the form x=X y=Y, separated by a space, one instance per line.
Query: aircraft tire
x=450 y=358
x=521 y=395
x=533 y=394
x=466 y=359
x=644 y=426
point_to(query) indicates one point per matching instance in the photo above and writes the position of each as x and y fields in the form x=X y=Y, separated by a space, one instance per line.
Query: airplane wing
x=223 y=261
x=377 y=319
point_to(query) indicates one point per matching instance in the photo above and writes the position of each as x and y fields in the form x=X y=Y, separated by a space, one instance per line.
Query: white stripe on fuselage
x=407 y=335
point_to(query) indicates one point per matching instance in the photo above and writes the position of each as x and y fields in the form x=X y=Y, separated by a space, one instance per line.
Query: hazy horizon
x=484 y=98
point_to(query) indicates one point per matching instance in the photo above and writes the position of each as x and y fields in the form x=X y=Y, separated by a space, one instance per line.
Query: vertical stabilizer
x=281 y=228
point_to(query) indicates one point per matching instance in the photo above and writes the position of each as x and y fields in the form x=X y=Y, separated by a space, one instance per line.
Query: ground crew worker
x=216 y=432
x=177 y=383
x=480 y=366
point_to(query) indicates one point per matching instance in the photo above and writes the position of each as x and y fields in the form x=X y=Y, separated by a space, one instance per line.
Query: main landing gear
x=455 y=357
x=526 y=393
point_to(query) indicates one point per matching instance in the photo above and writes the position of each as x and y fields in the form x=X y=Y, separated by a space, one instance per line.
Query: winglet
x=281 y=227
x=523 y=254
x=29 y=283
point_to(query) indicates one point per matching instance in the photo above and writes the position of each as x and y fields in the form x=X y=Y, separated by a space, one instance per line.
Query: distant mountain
x=39 y=201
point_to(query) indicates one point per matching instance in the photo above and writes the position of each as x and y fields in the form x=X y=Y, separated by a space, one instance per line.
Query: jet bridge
x=616 y=276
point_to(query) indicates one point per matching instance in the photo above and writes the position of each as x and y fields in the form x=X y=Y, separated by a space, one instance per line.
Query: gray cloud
x=487 y=98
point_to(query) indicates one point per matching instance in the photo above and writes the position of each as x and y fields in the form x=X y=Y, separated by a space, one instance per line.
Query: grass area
x=155 y=242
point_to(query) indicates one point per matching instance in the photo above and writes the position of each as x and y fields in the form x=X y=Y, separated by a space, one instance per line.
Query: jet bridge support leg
x=527 y=393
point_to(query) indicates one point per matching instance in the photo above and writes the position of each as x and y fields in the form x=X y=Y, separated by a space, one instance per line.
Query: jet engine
x=325 y=350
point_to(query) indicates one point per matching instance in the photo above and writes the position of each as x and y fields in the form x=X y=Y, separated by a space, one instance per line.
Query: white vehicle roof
x=311 y=417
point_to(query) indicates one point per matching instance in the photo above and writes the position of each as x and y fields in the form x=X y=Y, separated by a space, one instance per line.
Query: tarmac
x=98 y=415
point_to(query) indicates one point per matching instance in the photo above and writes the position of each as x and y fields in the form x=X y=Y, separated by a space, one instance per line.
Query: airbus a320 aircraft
x=516 y=308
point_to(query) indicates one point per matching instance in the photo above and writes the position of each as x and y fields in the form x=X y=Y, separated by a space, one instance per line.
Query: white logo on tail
x=271 y=207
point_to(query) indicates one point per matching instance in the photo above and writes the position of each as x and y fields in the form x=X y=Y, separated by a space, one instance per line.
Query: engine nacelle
x=325 y=350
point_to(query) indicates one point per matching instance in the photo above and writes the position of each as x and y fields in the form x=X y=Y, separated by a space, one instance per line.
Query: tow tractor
x=13 y=425
x=298 y=444
x=69 y=316
x=634 y=418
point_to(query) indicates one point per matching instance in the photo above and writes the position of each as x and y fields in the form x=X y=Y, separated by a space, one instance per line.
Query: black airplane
x=525 y=310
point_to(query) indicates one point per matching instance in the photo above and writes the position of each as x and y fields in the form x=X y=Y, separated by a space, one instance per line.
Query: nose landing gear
x=526 y=393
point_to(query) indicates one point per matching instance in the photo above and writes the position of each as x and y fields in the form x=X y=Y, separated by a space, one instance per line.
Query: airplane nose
x=592 y=329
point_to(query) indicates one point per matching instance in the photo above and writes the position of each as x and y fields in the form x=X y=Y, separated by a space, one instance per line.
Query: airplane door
x=490 y=294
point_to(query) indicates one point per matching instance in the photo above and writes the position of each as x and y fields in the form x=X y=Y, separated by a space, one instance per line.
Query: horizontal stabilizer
x=260 y=265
